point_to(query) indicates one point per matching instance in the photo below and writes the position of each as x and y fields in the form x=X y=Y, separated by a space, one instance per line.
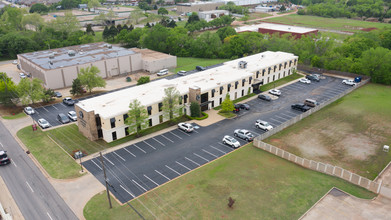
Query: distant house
x=210 y=15
x=83 y=6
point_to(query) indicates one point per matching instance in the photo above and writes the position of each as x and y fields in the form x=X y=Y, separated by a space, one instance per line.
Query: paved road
x=34 y=195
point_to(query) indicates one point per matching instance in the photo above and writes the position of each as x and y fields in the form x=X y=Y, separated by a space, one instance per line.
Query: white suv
x=231 y=141
x=263 y=125
x=162 y=72
x=348 y=82
x=186 y=127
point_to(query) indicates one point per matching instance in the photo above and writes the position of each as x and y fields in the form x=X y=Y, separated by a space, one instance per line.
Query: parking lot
x=141 y=167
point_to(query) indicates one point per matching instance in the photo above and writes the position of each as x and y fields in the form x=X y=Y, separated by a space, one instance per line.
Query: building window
x=150 y=122
x=257 y=74
x=149 y=109
x=185 y=98
x=213 y=104
x=213 y=93
x=112 y=122
x=285 y=65
x=289 y=72
x=284 y=74
x=221 y=90
x=242 y=92
x=268 y=70
x=125 y=117
x=275 y=67
x=180 y=100
x=228 y=87
x=280 y=66
x=114 y=135
x=295 y=62
x=278 y=75
x=236 y=84
x=221 y=100
x=160 y=106
x=249 y=80
x=126 y=131
x=243 y=82
x=274 y=77
x=290 y=63
x=263 y=72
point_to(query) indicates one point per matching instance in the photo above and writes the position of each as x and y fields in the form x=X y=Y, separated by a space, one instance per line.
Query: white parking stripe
x=47 y=213
x=276 y=120
x=184 y=132
x=162 y=175
x=127 y=191
x=288 y=116
x=200 y=157
x=182 y=165
x=149 y=145
x=282 y=118
x=140 y=148
x=119 y=156
x=224 y=145
x=209 y=153
x=173 y=170
x=96 y=164
x=139 y=185
x=167 y=138
x=175 y=135
x=108 y=160
x=151 y=180
x=254 y=132
x=45 y=109
x=130 y=152
x=217 y=149
x=274 y=125
x=54 y=107
x=13 y=162
x=192 y=161
x=159 y=142
x=291 y=113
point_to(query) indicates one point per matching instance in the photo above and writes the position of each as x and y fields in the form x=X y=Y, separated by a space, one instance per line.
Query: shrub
x=143 y=80
x=195 y=110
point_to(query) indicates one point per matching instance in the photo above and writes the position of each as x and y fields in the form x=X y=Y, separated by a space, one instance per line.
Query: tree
x=195 y=109
x=100 y=19
x=30 y=91
x=113 y=32
x=77 y=87
x=226 y=32
x=93 y=4
x=376 y=63
x=162 y=11
x=171 y=103
x=227 y=105
x=193 y=18
x=135 y=16
x=172 y=24
x=137 y=117
x=105 y=33
x=47 y=95
x=90 y=79
x=66 y=24
x=89 y=30
x=283 y=8
x=11 y=18
x=38 y=8
x=35 y=20
x=7 y=89
x=143 y=80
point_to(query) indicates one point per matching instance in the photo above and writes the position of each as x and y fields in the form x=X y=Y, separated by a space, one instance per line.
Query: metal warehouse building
x=103 y=117
x=58 y=67
x=270 y=28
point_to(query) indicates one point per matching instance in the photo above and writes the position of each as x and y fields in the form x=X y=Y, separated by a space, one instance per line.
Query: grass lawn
x=98 y=36
x=349 y=133
x=55 y=161
x=263 y=185
x=189 y=63
x=16 y=116
x=280 y=82
x=253 y=16
x=227 y=114
x=332 y=35
x=341 y=24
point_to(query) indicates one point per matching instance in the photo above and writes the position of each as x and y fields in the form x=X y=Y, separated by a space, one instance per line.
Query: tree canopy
x=30 y=91
x=137 y=117
x=172 y=107
x=89 y=77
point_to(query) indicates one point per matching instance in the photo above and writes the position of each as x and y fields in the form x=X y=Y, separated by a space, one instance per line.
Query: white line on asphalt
x=1 y=146
x=162 y=175
x=175 y=135
x=63 y=104
x=276 y=120
x=167 y=138
x=200 y=157
x=127 y=191
x=49 y=215
x=173 y=170
x=289 y=112
x=140 y=148
x=218 y=149
x=184 y=132
x=13 y=162
x=286 y=115
x=149 y=145
x=30 y=186
x=119 y=156
x=209 y=153
x=182 y=165
x=108 y=160
x=96 y=164
x=130 y=152
x=151 y=180
x=158 y=141
x=45 y=109
x=192 y=161
x=54 y=107
x=254 y=132
x=274 y=125
x=281 y=117
x=195 y=131
x=224 y=145
x=139 y=185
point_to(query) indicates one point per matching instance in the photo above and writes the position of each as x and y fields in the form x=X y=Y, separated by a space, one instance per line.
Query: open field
x=263 y=185
x=349 y=133
x=189 y=63
x=341 y=24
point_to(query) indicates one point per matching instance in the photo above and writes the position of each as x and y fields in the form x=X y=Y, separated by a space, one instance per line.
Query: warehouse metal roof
x=275 y=27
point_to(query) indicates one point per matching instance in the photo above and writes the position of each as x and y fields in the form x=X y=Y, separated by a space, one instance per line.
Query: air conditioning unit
x=71 y=53
x=242 y=64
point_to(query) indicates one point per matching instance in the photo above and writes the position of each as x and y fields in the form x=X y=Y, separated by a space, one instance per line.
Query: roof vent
x=109 y=46
x=242 y=64
x=51 y=56
x=50 y=62
x=81 y=53
x=71 y=53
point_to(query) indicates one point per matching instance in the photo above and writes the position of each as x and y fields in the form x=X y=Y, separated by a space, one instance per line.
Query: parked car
x=264 y=97
x=312 y=78
x=181 y=73
x=28 y=110
x=300 y=107
x=72 y=115
x=57 y=94
x=305 y=81
x=348 y=82
x=244 y=106
x=236 y=108
x=244 y=134
x=43 y=123
x=68 y=101
x=22 y=75
x=263 y=125
x=228 y=140
x=15 y=62
x=275 y=92
x=4 y=158
x=186 y=127
x=200 y=68
x=162 y=72
x=62 y=118
x=357 y=79
x=311 y=102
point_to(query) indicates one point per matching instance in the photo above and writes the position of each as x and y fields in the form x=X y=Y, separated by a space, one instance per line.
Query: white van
x=162 y=72
x=311 y=102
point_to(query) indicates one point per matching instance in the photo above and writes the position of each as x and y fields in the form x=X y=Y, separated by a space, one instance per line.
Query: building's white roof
x=213 y=12
x=117 y=103
x=276 y=27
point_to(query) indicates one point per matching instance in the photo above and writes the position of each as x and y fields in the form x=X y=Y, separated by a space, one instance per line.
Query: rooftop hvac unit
x=242 y=64
x=51 y=56
x=50 y=62
x=71 y=53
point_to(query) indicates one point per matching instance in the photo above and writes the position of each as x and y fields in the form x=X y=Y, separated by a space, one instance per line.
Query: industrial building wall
x=101 y=66
x=29 y=67
x=54 y=79
x=136 y=62
x=199 y=7
x=156 y=65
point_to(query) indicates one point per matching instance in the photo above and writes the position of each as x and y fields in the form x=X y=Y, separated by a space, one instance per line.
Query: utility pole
x=107 y=186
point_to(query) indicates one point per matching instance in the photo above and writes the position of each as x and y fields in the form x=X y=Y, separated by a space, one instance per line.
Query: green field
x=263 y=185
x=341 y=24
x=52 y=158
x=349 y=133
x=16 y=116
x=189 y=63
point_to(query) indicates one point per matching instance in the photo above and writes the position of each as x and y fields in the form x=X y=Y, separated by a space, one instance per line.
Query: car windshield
x=63 y=117
x=266 y=124
x=72 y=114
x=3 y=156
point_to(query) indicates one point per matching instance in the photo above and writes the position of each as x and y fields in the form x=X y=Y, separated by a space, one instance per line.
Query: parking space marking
x=195 y=131
x=276 y=120
x=218 y=149
x=273 y=124
x=130 y=152
x=209 y=153
x=119 y=156
x=200 y=157
x=175 y=135
x=167 y=138
x=292 y=113
x=282 y=118
x=192 y=161
x=54 y=107
x=149 y=145
x=139 y=185
x=184 y=132
x=96 y=164
x=104 y=156
x=173 y=170
x=127 y=191
x=63 y=104
x=45 y=109
x=254 y=132
x=140 y=148
x=151 y=180
x=183 y=165
x=158 y=141
x=286 y=115
x=162 y=175
x=224 y=145
x=29 y=187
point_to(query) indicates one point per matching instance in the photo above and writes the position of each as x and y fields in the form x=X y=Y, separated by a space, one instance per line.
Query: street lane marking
x=96 y=164
x=158 y=141
x=2 y=147
x=104 y=156
x=151 y=180
x=192 y=161
x=173 y=170
x=49 y=215
x=13 y=162
x=200 y=157
x=140 y=148
x=195 y=131
x=167 y=138
x=218 y=149
x=162 y=175
x=175 y=135
x=209 y=153
x=127 y=191
x=119 y=156
x=130 y=152
x=182 y=165
x=149 y=145
x=30 y=186
x=139 y=185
